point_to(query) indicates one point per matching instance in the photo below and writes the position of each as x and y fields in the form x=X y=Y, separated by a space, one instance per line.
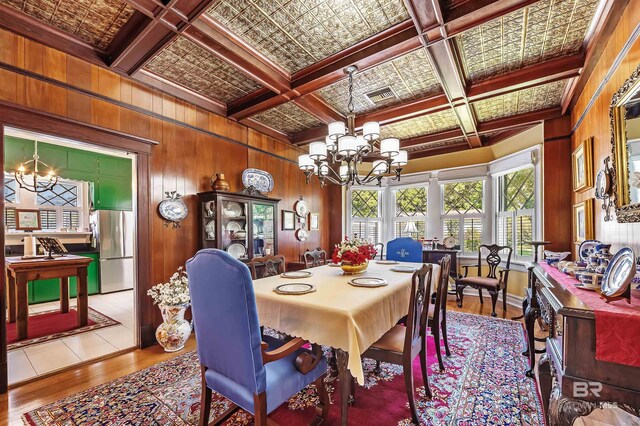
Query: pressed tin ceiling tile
x=433 y=145
x=409 y=77
x=93 y=21
x=539 y=32
x=298 y=33
x=419 y=126
x=288 y=118
x=527 y=100
x=191 y=66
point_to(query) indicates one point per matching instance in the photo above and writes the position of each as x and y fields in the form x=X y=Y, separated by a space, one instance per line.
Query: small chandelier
x=336 y=159
x=32 y=181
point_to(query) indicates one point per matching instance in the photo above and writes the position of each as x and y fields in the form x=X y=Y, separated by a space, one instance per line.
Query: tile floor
x=29 y=362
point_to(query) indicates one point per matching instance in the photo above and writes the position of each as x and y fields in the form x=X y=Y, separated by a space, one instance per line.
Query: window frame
x=367 y=220
x=534 y=213
x=417 y=218
x=461 y=217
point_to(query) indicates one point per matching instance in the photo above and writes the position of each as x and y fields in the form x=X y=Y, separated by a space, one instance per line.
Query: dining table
x=337 y=314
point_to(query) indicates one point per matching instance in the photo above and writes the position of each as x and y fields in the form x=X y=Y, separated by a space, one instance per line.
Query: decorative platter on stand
x=173 y=209
x=259 y=179
x=619 y=273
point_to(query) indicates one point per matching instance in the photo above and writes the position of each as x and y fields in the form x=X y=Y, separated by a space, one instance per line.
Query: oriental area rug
x=51 y=325
x=483 y=383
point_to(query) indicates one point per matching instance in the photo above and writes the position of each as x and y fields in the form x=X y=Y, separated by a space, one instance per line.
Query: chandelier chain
x=350 y=106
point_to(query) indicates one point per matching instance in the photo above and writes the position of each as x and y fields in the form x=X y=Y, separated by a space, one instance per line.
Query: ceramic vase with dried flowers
x=173 y=300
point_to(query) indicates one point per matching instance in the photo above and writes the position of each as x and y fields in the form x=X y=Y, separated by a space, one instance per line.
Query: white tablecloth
x=338 y=314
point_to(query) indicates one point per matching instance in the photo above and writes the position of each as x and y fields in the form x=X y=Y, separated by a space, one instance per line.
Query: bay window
x=515 y=211
x=463 y=213
x=410 y=218
x=366 y=214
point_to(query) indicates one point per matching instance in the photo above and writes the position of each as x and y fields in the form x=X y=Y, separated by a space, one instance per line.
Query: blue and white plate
x=619 y=273
x=259 y=179
x=587 y=248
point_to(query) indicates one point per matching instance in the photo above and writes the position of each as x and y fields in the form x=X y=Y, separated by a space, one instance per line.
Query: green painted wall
x=109 y=176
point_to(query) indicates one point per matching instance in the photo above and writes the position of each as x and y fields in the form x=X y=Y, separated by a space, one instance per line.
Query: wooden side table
x=21 y=271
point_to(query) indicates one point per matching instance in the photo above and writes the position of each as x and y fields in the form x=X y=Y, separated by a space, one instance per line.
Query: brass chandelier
x=337 y=158
x=33 y=181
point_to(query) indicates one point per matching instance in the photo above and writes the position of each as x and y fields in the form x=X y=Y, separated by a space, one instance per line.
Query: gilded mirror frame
x=625 y=211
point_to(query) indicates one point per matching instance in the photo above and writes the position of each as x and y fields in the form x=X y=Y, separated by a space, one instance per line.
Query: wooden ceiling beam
x=542 y=73
x=519 y=120
x=164 y=23
x=388 y=45
x=401 y=112
x=317 y=107
x=33 y=29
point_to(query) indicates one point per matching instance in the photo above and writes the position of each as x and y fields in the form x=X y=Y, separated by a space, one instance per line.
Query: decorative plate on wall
x=301 y=208
x=173 y=209
x=301 y=234
x=259 y=179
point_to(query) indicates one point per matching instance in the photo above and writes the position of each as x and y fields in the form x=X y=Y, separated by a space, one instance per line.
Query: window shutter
x=505 y=230
x=472 y=234
x=375 y=232
x=10 y=219
x=524 y=234
x=71 y=219
x=48 y=219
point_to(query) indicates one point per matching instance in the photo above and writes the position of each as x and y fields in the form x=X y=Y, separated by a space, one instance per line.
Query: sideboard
x=572 y=381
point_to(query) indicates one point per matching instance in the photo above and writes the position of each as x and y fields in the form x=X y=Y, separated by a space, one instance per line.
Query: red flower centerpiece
x=354 y=255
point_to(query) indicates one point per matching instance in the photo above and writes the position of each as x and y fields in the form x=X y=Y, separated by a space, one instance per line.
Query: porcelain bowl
x=588 y=278
x=553 y=257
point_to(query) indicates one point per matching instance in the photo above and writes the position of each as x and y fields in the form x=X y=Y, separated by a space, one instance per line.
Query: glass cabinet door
x=235 y=236
x=263 y=229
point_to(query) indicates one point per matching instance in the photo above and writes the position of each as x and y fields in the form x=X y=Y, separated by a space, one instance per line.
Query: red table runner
x=617 y=323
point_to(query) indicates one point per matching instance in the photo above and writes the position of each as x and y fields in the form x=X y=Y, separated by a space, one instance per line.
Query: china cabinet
x=244 y=225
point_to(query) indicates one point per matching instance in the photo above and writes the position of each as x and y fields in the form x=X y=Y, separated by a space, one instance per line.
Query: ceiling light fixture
x=336 y=159
x=32 y=181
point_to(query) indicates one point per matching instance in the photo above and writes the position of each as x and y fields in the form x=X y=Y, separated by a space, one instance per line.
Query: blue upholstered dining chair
x=255 y=373
x=404 y=249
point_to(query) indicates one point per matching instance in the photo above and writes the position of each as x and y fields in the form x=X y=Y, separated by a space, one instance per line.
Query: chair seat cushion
x=283 y=380
x=393 y=340
x=482 y=282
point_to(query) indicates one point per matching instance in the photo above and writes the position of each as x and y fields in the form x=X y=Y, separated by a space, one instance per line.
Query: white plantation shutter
x=48 y=219
x=504 y=229
x=524 y=233
x=472 y=234
x=10 y=219
x=375 y=232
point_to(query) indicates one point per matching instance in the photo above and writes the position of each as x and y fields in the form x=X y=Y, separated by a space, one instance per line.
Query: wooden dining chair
x=437 y=313
x=402 y=344
x=267 y=266
x=313 y=258
x=496 y=279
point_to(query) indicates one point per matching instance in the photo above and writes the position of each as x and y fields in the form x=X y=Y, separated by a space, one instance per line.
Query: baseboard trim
x=512 y=299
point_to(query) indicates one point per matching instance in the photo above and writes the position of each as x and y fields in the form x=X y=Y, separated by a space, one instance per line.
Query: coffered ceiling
x=441 y=75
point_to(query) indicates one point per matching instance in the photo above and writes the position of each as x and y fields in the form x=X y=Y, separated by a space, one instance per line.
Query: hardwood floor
x=35 y=394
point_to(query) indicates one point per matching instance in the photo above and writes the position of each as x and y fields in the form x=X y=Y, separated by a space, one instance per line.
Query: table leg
x=64 y=295
x=82 y=298
x=344 y=377
x=23 y=307
x=11 y=299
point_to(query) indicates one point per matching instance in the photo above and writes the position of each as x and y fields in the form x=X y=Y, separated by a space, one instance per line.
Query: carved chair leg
x=494 y=299
x=260 y=409
x=408 y=382
x=480 y=296
x=322 y=408
x=423 y=366
x=504 y=300
x=459 y=290
x=435 y=330
x=443 y=325
x=352 y=400
x=205 y=400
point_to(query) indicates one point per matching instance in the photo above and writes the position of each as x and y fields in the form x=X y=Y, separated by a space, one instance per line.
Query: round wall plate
x=301 y=208
x=173 y=210
x=301 y=234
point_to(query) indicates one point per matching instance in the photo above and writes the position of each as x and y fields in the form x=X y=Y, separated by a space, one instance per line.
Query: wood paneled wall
x=596 y=120
x=192 y=144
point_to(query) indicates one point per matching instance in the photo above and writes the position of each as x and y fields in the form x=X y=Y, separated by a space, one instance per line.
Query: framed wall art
x=28 y=220
x=582 y=166
x=314 y=221
x=288 y=220
x=583 y=221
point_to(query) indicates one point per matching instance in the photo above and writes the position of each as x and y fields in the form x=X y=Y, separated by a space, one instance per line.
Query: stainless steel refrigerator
x=113 y=232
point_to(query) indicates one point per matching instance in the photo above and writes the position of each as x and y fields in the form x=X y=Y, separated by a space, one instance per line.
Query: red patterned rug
x=484 y=383
x=52 y=325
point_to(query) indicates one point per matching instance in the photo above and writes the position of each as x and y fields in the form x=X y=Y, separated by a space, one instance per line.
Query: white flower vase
x=173 y=333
